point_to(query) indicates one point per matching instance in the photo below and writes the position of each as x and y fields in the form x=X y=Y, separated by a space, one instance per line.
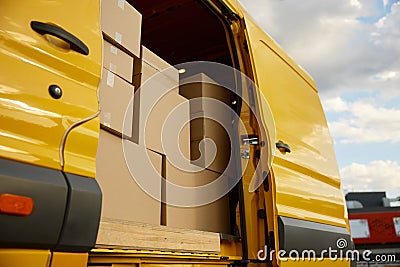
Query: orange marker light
x=16 y=205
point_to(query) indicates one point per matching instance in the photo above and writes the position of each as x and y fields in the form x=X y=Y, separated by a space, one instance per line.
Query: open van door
x=50 y=58
x=50 y=67
x=308 y=204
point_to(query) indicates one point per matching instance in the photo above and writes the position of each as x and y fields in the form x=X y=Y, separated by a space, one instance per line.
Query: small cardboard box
x=155 y=67
x=117 y=61
x=164 y=117
x=203 y=157
x=115 y=95
x=122 y=24
x=213 y=217
x=123 y=199
x=202 y=86
x=205 y=128
x=155 y=64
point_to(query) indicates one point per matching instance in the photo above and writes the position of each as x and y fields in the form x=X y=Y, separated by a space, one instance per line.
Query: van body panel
x=33 y=122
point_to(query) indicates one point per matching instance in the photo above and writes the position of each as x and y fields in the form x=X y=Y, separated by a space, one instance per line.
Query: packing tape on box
x=110 y=79
x=113 y=50
x=118 y=37
x=121 y=4
x=106 y=121
x=113 y=67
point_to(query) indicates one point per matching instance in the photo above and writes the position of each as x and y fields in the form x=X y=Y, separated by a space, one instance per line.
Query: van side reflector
x=16 y=205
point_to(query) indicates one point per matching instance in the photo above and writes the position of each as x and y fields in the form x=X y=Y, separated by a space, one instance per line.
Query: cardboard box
x=201 y=125
x=153 y=121
x=122 y=24
x=155 y=64
x=117 y=61
x=200 y=85
x=213 y=217
x=115 y=95
x=206 y=158
x=155 y=67
x=204 y=128
x=122 y=197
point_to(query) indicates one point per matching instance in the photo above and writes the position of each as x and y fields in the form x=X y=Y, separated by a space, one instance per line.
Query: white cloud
x=329 y=40
x=363 y=121
x=385 y=3
x=355 y=3
x=375 y=176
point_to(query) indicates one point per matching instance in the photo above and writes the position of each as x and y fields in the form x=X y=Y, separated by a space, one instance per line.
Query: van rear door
x=50 y=58
x=306 y=191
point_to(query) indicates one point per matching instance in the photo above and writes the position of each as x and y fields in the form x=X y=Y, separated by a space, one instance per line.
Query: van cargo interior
x=183 y=31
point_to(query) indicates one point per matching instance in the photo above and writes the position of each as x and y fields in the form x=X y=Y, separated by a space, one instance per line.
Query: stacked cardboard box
x=158 y=77
x=123 y=199
x=212 y=217
x=121 y=26
x=203 y=90
x=152 y=66
x=200 y=127
x=157 y=119
x=160 y=107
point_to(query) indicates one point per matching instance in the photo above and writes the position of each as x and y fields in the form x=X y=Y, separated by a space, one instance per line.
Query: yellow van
x=50 y=202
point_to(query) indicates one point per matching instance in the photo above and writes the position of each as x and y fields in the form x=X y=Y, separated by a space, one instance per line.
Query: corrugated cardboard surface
x=122 y=23
x=154 y=67
x=155 y=64
x=152 y=127
x=201 y=128
x=200 y=85
x=213 y=217
x=122 y=197
x=115 y=95
x=117 y=61
x=217 y=162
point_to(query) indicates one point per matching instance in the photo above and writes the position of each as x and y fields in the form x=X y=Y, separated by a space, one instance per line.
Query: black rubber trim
x=82 y=218
x=74 y=42
x=233 y=238
x=48 y=190
x=300 y=235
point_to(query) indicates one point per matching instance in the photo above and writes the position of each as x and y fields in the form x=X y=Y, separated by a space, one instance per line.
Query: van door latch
x=245 y=154
x=250 y=140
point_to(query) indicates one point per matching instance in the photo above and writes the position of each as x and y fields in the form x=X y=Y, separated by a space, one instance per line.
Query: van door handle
x=74 y=42
x=283 y=147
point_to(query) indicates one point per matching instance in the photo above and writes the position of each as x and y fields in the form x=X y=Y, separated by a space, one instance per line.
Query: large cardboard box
x=123 y=199
x=213 y=217
x=122 y=24
x=164 y=116
x=117 y=61
x=115 y=95
x=202 y=86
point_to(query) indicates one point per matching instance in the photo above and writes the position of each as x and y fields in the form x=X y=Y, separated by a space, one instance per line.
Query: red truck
x=375 y=225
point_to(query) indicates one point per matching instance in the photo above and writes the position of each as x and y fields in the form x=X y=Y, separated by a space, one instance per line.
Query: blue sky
x=352 y=50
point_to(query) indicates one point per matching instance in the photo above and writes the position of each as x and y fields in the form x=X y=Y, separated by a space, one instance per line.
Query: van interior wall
x=182 y=31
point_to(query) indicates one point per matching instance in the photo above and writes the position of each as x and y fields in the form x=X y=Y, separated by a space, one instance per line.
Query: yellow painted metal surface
x=229 y=253
x=80 y=159
x=24 y=257
x=63 y=259
x=231 y=249
x=306 y=181
x=32 y=122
